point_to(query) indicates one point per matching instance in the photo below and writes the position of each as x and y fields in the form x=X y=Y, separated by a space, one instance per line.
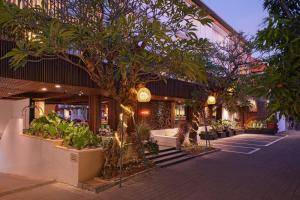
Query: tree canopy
x=119 y=43
x=279 y=41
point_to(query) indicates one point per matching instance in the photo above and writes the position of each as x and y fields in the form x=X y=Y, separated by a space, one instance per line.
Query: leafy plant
x=152 y=146
x=46 y=126
x=216 y=125
x=256 y=124
x=279 y=40
x=143 y=129
x=52 y=126
x=81 y=137
x=221 y=125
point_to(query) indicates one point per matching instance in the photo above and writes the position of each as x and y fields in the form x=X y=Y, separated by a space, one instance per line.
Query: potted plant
x=272 y=122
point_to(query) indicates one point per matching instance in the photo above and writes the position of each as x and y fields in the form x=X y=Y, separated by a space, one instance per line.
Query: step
x=162 y=150
x=162 y=154
x=169 y=157
x=175 y=161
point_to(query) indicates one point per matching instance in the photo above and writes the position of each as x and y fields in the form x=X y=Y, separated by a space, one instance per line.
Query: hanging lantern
x=211 y=100
x=143 y=95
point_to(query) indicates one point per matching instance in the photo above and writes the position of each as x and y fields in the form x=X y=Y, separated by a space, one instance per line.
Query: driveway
x=271 y=173
x=246 y=143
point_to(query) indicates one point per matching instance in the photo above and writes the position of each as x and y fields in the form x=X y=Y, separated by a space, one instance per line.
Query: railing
x=54 y=8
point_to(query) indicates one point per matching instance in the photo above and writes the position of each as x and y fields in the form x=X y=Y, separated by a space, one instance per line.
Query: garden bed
x=268 y=131
x=196 y=150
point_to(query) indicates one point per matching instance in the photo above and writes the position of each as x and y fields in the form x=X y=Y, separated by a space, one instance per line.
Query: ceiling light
x=80 y=93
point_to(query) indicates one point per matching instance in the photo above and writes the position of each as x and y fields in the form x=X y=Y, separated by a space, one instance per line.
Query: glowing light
x=230 y=91
x=118 y=139
x=44 y=89
x=166 y=98
x=80 y=93
x=144 y=112
x=211 y=100
x=253 y=106
x=127 y=109
x=144 y=95
x=57 y=86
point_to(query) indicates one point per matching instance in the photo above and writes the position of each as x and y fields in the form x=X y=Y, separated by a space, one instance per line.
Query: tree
x=229 y=71
x=119 y=43
x=228 y=65
x=279 y=42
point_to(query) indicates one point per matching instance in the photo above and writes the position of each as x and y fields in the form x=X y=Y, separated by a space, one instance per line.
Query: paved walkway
x=269 y=174
x=11 y=183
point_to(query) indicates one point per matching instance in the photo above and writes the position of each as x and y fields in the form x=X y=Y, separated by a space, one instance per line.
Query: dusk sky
x=242 y=15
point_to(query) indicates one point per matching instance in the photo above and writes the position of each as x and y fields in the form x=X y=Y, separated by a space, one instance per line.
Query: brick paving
x=270 y=174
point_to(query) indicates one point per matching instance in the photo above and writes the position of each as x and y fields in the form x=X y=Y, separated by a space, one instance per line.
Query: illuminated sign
x=144 y=112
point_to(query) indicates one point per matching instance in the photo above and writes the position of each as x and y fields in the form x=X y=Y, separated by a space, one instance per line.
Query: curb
x=125 y=179
x=114 y=182
x=206 y=153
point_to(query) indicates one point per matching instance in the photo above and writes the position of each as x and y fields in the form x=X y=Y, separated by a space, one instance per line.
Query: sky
x=243 y=15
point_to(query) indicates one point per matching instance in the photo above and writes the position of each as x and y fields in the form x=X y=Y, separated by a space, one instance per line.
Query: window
x=253 y=106
x=180 y=112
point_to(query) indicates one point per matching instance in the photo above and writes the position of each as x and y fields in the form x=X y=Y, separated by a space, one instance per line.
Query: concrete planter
x=43 y=158
x=211 y=136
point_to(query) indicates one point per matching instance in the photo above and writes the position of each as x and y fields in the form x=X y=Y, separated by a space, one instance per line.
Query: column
x=94 y=112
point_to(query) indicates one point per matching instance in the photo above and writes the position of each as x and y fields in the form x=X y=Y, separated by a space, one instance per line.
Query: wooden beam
x=94 y=112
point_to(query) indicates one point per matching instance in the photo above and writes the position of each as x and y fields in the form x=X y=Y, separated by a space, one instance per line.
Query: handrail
x=27 y=108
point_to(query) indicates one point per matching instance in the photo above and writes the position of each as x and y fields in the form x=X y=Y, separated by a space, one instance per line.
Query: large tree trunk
x=126 y=145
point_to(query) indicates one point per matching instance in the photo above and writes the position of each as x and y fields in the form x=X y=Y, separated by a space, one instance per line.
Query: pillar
x=94 y=112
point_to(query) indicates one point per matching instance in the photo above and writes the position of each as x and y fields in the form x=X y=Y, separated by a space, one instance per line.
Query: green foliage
x=53 y=127
x=128 y=44
x=272 y=119
x=47 y=126
x=152 y=146
x=220 y=125
x=81 y=137
x=228 y=70
x=143 y=129
x=255 y=124
x=280 y=40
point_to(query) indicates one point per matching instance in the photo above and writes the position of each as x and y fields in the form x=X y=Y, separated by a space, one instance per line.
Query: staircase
x=168 y=156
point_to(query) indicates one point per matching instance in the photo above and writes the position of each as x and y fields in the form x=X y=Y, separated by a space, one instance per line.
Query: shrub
x=152 y=146
x=221 y=125
x=46 y=126
x=81 y=137
x=54 y=127
x=255 y=124
x=143 y=129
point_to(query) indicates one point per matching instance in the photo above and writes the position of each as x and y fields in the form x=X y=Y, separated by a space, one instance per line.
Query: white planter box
x=41 y=158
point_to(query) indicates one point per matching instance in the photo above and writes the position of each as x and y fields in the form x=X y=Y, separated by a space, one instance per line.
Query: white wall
x=11 y=109
x=227 y=115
